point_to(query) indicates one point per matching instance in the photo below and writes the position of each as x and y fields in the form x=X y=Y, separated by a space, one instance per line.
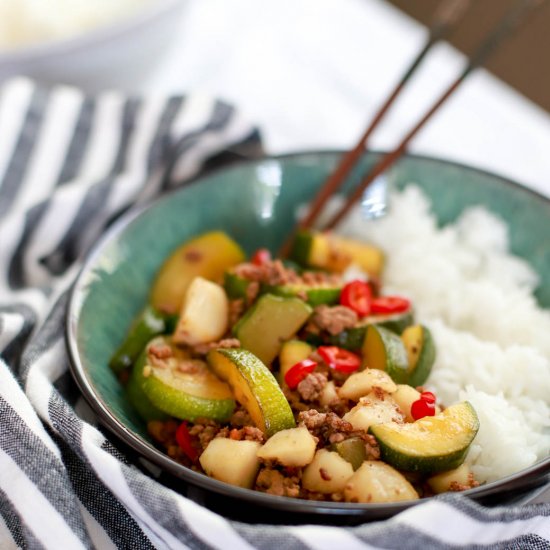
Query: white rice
x=24 y=22
x=493 y=344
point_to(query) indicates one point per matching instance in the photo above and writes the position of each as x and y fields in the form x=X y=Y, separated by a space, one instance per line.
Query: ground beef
x=271 y=273
x=312 y=419
x=294 y=400
x=190 y=366
x=203 y=349
x=278 y=483
x=456 y=486
x=248 y=271
x=236 y=309
x=315 y=278
x=325 y=425
x=371 y=446
x=240 y=417
x=312 y=385
x=248 y=433
x=339 y=407
x=252 y=291
x=204 y=430
x=160 y=351
x=334 y=319
x=162 y=432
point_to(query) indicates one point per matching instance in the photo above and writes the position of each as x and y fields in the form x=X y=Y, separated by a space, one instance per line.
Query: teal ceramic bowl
x=255 y=202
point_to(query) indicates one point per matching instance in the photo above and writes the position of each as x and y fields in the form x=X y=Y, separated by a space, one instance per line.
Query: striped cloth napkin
x=69 y=165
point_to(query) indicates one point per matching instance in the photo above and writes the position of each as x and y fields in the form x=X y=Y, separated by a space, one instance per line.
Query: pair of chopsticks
x=449 y=13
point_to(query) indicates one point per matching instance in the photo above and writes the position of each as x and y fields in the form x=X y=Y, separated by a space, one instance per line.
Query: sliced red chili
x=422 y=408
x=390 y=304
x=357 y=295
x=428 y=396
x=261 y=256
x=339 y=359
x=184 y=441
x=295 y=374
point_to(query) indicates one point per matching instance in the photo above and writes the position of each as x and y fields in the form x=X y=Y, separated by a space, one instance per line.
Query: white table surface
x=311 y=73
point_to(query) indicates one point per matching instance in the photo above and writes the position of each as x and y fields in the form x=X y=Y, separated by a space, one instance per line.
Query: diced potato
x=292 y=447
x=205 y=313
x=235 y=462
x=405 y=396
x=441 y=483
x=328 y=473
x=371 y=410
x=376 y=481
x=328 y=394
x=362 y=383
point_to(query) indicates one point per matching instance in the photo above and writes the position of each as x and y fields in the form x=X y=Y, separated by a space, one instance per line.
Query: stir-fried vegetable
x=284 y=378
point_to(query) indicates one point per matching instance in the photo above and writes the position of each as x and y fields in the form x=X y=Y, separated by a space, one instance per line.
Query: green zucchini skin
x=147 y=325
x=235 y=286
x=353 y=450
x=397 y=323
x=301 y=248
x=426 y=359
x=394 y=360
x=269 y=322
x=314 y=295
x=352 y=339
x=172 y=394
x=416 y=451
x=137 y=397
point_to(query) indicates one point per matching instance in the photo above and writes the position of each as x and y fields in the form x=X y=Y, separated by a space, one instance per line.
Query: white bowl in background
x=120 y=55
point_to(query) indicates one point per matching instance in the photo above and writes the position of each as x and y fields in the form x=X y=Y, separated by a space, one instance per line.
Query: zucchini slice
x=182 y=387
x=431 y=444
x=352 y=338
x=235 y=286
x=147 y=325
x=384 y=350
x=254 y=387
x=268 y=323
x=207 y=255
x=353 y=450
x=313 y=295
x=139 y=400
x=327 y=251
x=420 y=348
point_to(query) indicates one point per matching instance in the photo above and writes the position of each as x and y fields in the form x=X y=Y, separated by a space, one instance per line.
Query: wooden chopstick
x=444 y=21
x=509 y=23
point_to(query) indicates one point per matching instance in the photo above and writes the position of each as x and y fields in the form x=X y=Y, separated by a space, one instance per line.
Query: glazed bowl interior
x=255 y=203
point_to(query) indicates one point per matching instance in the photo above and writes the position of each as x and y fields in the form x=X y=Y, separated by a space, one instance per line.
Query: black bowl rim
x=507 y=484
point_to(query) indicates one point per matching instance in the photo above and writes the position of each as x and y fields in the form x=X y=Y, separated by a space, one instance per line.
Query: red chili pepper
x=298 y=372
x=261 y=256
x=422 y=408
x=184 y=441
x=390 y=304
x=428 y=396
x=339 y=359
x=357 y=295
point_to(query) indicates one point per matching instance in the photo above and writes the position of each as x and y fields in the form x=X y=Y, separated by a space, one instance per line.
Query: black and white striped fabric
x=69 y=165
